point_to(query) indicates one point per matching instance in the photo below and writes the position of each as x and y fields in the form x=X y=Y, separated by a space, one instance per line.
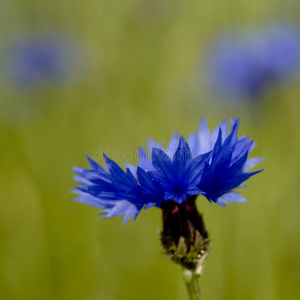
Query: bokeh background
x=88 y=77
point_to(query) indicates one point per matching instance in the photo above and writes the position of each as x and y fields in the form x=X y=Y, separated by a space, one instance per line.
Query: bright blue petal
x=162 y=162
x=153 y=144
x=132 y=168
x=251 y=162
x=205 y=140
x=194 y=144
x=232 y=197
x=173 y=144
x=144 y=160
x=95 y=165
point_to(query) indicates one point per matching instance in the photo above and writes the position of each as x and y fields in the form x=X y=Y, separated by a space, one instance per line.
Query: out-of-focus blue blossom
x=212 y=164
x=247 y=64
x=37 y=61
x=283 y=53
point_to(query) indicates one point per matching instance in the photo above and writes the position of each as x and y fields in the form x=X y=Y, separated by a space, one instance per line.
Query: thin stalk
x=192 y=284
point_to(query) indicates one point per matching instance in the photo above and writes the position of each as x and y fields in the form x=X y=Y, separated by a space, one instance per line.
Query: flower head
x=36 y=61
x=211 y=164
x=247 y=64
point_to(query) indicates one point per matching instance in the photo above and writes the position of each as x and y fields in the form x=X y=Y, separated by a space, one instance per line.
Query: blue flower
x=282 y=50
x=247 y=64
x=211 y=164
x=34 y=62
x=234 y=70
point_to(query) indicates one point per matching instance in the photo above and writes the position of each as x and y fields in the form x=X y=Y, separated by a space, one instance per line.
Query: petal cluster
x=113 y=189
x=211 y=164
x=228 y=166
x=179 y=176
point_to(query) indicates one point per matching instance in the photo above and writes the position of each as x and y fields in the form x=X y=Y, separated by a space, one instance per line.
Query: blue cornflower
x=246 y=65
x=211 y=164
x=234 y=69
x=36 y=61
x=282 y=50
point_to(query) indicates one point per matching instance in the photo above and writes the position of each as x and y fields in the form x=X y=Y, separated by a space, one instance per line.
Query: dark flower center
x=178 y=190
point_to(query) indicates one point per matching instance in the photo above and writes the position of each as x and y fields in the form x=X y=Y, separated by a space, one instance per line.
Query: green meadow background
x=138 y=80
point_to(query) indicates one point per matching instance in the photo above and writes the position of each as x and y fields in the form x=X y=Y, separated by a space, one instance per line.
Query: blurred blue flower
x=212 y=164
x=36 y=61
x=283 y=50
x=248 y=64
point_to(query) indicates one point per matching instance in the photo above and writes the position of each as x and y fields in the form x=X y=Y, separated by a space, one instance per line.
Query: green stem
x=192 y=285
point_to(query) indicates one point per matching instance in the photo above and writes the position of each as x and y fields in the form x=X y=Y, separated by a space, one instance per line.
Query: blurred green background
x=136 y=80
